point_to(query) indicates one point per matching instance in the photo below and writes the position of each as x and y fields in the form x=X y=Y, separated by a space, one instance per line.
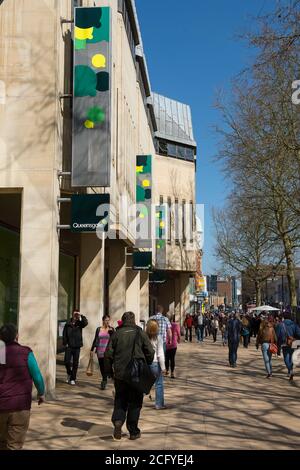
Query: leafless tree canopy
x=260 y=150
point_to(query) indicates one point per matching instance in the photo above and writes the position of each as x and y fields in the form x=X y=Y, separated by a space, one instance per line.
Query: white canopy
x=264 y=308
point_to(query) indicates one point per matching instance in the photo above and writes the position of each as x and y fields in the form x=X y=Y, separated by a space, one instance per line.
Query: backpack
x=137 y=372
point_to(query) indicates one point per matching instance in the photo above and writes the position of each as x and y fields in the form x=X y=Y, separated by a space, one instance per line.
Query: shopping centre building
x=80 y=124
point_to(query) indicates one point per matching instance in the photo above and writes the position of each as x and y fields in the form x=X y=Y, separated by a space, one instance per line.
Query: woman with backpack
x=158 y=365
x=267 y=337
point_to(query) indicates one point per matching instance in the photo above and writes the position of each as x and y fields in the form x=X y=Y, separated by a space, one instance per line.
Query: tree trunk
x=290 y=271
x=258 y=293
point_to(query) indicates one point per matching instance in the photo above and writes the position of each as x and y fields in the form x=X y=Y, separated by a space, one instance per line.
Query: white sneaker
x=72 y=382
x=68 y=379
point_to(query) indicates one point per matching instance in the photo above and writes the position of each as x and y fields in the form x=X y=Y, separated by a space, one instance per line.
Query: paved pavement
x=211 y=406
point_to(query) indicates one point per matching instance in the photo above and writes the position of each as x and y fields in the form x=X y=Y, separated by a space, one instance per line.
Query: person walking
x=199 y=327
x=18 y=371
x=287 y=332
x=188 y=324
x=233 y=333
x=99 y=345
x=215 y=327
x=72 y=340
x=224 y=331
x=158 y=365
x=266 y=336
x=245 y=332
x=172 y=348
x=128 y=401
x=206 y=325
x=165 y=329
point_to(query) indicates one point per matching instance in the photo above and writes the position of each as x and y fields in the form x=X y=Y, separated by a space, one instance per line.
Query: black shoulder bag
x=137 y=372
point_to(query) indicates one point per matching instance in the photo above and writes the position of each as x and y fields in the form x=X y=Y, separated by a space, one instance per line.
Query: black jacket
x=72 y=334
x=119 y=349
x=234 y=327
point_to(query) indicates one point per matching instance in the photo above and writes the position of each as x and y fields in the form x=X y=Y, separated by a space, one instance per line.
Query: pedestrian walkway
x=211 y=406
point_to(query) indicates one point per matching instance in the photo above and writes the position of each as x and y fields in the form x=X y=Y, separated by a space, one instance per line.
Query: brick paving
x=211 y=406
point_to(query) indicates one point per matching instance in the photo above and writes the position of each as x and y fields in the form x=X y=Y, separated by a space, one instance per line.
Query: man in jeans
x=165 y=327
x=234 y=332
x=72 y=340
x=18 y=369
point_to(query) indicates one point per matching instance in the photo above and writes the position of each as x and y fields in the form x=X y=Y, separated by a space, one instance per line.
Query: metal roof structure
x=174 y=120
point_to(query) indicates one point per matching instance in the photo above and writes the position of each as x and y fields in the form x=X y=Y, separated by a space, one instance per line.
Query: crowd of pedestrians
x=116 y=348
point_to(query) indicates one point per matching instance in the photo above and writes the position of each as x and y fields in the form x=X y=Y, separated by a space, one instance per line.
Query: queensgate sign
x=90 y=212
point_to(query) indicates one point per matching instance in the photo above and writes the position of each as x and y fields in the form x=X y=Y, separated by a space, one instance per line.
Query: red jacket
x=188 y=322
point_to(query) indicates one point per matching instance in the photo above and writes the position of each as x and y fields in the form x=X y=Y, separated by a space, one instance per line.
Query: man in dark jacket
x=285 y=330
x=72 y=340
x=118 y=353
x=234 y=331
x=18 y=369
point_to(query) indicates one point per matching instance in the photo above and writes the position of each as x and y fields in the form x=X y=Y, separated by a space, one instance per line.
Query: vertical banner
x=91 y=152
x=143 y=201
x=160 y=236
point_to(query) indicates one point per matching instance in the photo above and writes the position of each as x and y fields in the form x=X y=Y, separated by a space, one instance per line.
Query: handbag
x=90 y=368
x=273 y=348
x=289 y=339
x=137 y=372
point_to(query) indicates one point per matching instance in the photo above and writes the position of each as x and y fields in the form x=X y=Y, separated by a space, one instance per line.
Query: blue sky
x=192 y=51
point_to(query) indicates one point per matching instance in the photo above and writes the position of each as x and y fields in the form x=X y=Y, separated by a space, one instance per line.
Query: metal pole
x=282 y=291
x=63 y=227
x=64 y=199
x=104 y=273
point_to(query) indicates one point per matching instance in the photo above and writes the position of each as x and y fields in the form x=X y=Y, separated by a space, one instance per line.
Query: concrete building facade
x=46 y=271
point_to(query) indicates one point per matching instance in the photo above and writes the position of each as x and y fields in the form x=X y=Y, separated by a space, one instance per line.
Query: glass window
x=172 y=150
x=191 y=221
x=66 y=286
x=189 y=154
x=9 y=275
x=162 y=148
x=183 y=222
x=76 y=3
x=123 y=8
x=169 y=220
x=176 y=221
x=180 y=151
x=66 y=294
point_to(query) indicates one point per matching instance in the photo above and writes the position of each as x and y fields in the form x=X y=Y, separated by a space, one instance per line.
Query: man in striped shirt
x=165 y=328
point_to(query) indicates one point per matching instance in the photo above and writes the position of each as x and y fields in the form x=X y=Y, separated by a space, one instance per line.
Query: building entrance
x=10 y=215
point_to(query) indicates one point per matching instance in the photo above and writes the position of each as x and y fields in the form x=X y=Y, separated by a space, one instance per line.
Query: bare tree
x=244 y=245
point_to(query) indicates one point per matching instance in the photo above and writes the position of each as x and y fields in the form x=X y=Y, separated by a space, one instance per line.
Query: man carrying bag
x=128 y=346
